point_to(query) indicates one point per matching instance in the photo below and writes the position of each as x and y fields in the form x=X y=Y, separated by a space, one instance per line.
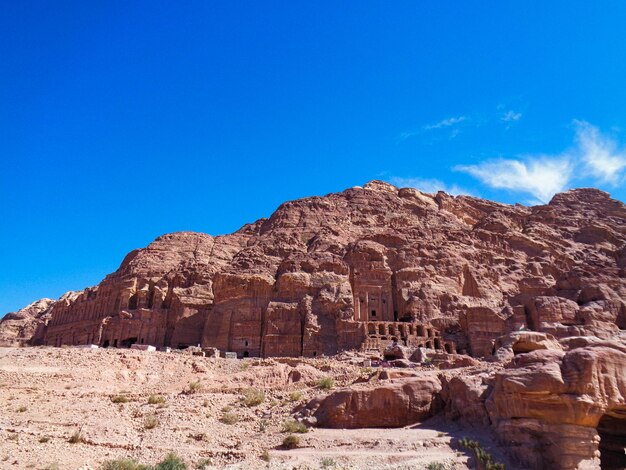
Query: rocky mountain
x=354 y=269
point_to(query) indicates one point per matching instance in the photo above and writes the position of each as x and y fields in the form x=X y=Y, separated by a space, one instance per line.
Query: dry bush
x=77 y=438
x=291 y=442
x=193 y=387
x=120 y=399
x=229 y=418
x=253 y=397
x=291 y=426
x=156 y=400
x=150 y=422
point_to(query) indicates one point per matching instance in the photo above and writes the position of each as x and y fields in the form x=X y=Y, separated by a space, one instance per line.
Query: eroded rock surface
x=18 y=328
x=388 y=404
x=358 y=268
x=564 y=410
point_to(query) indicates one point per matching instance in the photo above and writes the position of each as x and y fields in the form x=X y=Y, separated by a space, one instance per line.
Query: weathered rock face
x=396 y=403
x=564 y=410
x=17 y=328
x=361 y=267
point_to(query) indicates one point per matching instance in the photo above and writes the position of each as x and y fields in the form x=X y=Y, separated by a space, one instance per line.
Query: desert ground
x=72 y=408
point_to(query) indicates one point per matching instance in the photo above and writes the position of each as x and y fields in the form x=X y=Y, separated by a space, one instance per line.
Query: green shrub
x=156 y=400
x=253 y=397
x=327 y=462
x=124 y=464
x=291 y=442
x=435 y=466
x=229 y=418
x=22 y=408
x=484 y=457
x=295 y=396
x=171 y=462
x=292 y=426
x=326 y=383
x=203 y=464
x=265 y=455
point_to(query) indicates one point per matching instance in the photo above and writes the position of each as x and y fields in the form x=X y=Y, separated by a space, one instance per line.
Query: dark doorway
x=128 y=342
x=612 y=431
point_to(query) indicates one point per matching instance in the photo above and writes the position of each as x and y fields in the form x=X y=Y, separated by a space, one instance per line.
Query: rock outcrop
x=390 y=404
x=360 y=268
x=18 y=328
x=564 y=410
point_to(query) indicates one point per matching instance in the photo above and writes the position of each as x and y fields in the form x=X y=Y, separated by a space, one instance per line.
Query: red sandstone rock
x=358 y=268
x=549 y=406
x=18 y=328
x=395 y=404
x=465 y=396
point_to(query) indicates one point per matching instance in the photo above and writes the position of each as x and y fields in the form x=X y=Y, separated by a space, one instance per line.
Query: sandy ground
x=47 y=395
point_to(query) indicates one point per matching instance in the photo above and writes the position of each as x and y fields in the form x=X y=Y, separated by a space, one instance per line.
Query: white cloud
x=428 y=185
x=446 y=123
x=541 y=177
x=599 y=153
x=510 y=116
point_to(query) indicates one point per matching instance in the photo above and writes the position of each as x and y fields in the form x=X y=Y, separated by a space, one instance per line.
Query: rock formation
x=355 y=269
x=17 y=328
x=397 y=403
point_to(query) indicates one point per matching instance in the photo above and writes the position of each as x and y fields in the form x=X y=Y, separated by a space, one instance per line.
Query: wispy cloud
x=429 y=185
x=541 y=176
x=600 y=154
x=511 y=116
x=449 y=122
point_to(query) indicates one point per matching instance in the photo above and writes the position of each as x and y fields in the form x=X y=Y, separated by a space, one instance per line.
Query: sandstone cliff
x=357 y=268
x=18 y=328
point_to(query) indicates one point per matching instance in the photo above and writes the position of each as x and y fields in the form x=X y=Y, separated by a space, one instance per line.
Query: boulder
x=394 y=404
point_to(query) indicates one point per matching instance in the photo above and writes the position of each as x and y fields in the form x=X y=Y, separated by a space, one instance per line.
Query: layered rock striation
x=358 y=268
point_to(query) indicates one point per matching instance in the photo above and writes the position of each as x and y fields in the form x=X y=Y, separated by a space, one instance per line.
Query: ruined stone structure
x=356 y=269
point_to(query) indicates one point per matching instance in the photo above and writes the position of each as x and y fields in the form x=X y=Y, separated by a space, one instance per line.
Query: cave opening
x=612 y=431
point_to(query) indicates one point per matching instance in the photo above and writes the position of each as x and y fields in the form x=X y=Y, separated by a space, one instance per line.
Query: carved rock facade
x=358 y=268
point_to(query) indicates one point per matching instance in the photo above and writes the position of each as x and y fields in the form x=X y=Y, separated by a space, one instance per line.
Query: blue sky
x=121 y=121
